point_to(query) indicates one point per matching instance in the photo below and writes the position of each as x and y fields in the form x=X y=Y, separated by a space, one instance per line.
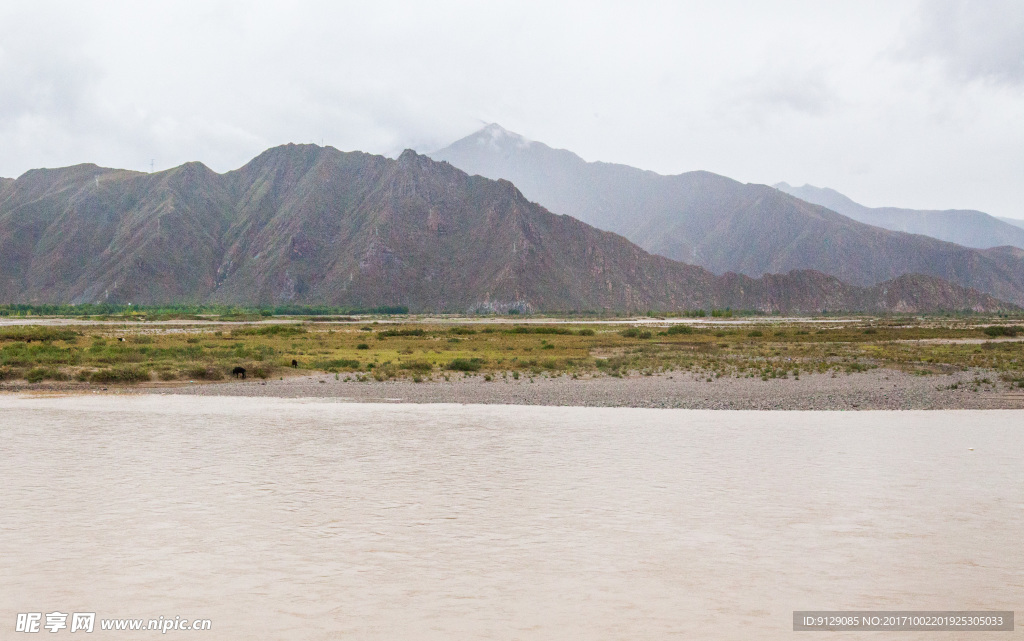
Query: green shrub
x=270 y=330
x=530 y=329
x=202 y=373
x=585 y=332
x=466 y=364
x=756 y=333
x=632 y=332
x=362 y=346
x=680 y=329
x=29 y=333
x=337 y=364
x=1003 y=330
x=401 y=332
x=37 y=374
x=461 y=331
x=125 y=374
x=418 y=366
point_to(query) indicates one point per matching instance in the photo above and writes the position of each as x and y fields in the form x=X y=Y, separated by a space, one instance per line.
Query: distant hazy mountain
x=961 y=226
x=723 y=225
x=1016 y=222
x=311 y=225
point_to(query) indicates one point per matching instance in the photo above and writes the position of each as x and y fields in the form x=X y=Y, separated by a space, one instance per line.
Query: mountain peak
x=496 y=136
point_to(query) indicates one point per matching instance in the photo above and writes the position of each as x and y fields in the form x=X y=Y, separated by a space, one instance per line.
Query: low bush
x=530 y=329
x=679 y=329
x=271 y=330
x=466 y=364
x=337 y=364
x=1003 y=330
x=29 y=333
x=125 y=374
x=418 y=366
x=401 y=332
x=37 y=374
x=204 y=373
x=636 y=332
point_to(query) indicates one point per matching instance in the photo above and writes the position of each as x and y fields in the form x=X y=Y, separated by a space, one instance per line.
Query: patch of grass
x=30 y=333
x=540 y=329
x=37 y=374
x=418 y=366
x=636 y=332
x=1003 y=330
x=679 y=329
x=416 y=331
x=124 y=375
x=466 y=364
x=204 y=373
x=271 y=330
x=338 y=364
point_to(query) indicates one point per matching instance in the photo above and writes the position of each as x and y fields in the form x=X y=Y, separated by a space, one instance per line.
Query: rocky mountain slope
x=723 y=225
x=964 y=227
x=311 y=225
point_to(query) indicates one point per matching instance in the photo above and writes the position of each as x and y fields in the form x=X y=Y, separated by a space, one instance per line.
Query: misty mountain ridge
x=1016 y=222
x=961 y=226
x=726 y=226
x=310 y=225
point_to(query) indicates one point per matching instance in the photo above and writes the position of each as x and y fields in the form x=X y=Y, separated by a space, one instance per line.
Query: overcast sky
x=915 y=104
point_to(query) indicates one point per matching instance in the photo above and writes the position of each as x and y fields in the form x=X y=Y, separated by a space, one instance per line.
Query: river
x=305 y=519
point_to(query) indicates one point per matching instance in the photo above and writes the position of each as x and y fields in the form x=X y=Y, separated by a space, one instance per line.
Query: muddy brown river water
x=301 y=519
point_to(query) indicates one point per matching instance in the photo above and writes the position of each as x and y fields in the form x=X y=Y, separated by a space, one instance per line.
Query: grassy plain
x=136 y=352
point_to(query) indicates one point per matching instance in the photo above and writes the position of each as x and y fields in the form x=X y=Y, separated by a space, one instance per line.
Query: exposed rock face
x=723 y=225
x=310 y=225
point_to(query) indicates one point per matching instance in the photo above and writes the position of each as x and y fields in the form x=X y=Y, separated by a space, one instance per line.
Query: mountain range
x=305 y=224
x=727 y=226
x=961 y=226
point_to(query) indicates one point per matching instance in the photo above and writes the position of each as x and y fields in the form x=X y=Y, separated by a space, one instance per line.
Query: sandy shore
x=877 y=389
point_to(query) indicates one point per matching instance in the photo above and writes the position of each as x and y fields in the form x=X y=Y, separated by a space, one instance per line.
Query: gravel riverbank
x=874 y=390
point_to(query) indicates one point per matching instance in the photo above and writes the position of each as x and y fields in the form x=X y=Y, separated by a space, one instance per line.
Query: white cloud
x=972 y=40
x=791 y=90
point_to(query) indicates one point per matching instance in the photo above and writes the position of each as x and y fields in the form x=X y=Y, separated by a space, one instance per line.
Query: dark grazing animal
x=239 y=372
x=295 y=363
